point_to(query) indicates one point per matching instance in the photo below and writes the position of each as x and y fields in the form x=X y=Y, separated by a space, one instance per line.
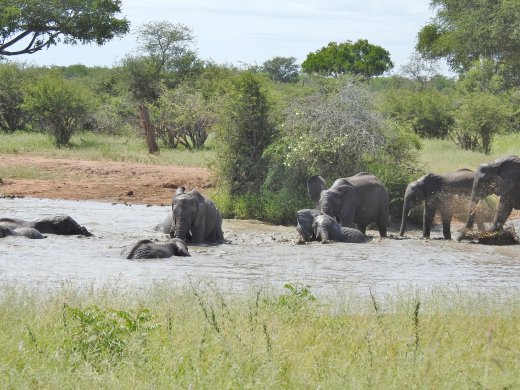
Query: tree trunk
x=148 y=129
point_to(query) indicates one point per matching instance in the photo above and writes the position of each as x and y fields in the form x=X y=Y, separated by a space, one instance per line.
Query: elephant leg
x=429 y=214
x=363 y=228
x=446 y=216
x=504 y=209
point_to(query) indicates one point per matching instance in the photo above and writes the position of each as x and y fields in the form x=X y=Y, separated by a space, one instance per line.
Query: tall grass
x=443 y=156
x=91 y=146
x=198 y=337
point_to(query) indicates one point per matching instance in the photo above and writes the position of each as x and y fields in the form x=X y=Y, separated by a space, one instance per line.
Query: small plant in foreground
x=98 y=335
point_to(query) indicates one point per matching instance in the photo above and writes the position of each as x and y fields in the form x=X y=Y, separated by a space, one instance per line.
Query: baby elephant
x=20 y=231
x=313 y=225
x=326 y=228
x=148 y=249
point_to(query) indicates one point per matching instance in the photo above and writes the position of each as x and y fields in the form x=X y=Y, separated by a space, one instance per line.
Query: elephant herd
x=362 y=199
x=342 y=212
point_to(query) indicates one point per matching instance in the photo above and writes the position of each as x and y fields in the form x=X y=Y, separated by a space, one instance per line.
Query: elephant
x=501 y=178
x=20 y=231
x=58 y=224
x=439 y=192
x=315 y=184
x=326 y=229
x=314 y=225
x=305 y=220
x=147 y=249
x=196 y=219
x=360 y=199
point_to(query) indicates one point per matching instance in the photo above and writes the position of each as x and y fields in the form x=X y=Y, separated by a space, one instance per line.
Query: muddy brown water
x=255 y=254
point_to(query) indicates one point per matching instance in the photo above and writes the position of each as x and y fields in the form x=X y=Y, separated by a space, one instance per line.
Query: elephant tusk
x=474 y=208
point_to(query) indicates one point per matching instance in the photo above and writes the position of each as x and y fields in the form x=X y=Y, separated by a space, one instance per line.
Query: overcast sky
x=250 y=32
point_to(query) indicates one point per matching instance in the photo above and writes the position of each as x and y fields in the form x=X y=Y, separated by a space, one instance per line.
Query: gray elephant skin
x=439 y=193
x=166 y=225
x=501 y=178
x=58 y=224
x=20 y=231
x=360 y=199
x=195 y=218
x=148 y=249
x=313 y=225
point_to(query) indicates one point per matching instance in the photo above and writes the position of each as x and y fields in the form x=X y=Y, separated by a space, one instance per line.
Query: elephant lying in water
x=20 y=231
x=314 y=225
x=147 y=249
x=58 y=224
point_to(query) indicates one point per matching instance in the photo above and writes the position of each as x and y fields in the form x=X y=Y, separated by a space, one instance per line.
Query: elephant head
x=305 y=219
x=315 y=185
x=339 y=202
x=186 y=212
x=415 y=193
x=500 y=178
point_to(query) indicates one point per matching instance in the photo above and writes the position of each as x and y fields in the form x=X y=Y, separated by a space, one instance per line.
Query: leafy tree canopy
x=27 y=26
x=463 y=32
x=284 y=69
x=359 y=58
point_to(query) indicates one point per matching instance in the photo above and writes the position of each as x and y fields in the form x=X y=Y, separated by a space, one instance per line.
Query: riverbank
x=119 y=182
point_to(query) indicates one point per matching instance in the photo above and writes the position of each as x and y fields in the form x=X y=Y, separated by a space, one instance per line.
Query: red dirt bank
x=120 y=182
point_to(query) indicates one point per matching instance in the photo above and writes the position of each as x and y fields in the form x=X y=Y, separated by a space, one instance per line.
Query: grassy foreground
x=197 y=337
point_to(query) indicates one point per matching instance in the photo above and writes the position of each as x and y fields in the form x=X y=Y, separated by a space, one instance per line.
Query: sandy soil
x=119 y=182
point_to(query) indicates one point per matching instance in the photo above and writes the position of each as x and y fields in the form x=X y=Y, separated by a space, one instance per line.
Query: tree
x=474 y=30
x=27 y=26
x=245 y=135
x=60 y=105
x=359 y=58
x=165 y=57
x=13 y=78
x=182 y=116
x=478 y=119
x=284 y=69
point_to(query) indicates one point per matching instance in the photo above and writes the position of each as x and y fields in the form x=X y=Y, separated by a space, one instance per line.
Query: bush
x=60 y=105
x=245 y=134
x=13 y=77
x=478 y=119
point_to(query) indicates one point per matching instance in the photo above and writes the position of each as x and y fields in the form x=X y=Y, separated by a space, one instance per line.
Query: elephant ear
x=315 y=185
x=509 y=175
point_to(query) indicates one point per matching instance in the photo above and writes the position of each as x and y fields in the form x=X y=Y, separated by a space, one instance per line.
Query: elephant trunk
x=407 y=206
x=180 y=227
x=471 y=215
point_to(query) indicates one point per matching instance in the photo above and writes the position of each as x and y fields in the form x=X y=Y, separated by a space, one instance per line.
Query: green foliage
x=182 y=116
x=429 y=113
x=60 y=105
x=472 y=31
x=478 y=119
x=245 y=133
x=165 y=57
x=439 y=338
x=297 y=295
x=27 y=26
x=359 y=58
x=13 y=78
x=101 y=336
x=283 y=69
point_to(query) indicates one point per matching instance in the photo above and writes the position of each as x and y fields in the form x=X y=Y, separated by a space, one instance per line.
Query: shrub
x=60 y=105
x=478 y=119
x=245 y=133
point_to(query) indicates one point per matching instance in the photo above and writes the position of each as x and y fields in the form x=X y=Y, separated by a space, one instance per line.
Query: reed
x=196 y=336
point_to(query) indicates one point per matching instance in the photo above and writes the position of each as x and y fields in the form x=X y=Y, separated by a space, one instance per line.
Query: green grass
x=198 y=337
x=442 y=156
x=90 y=146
